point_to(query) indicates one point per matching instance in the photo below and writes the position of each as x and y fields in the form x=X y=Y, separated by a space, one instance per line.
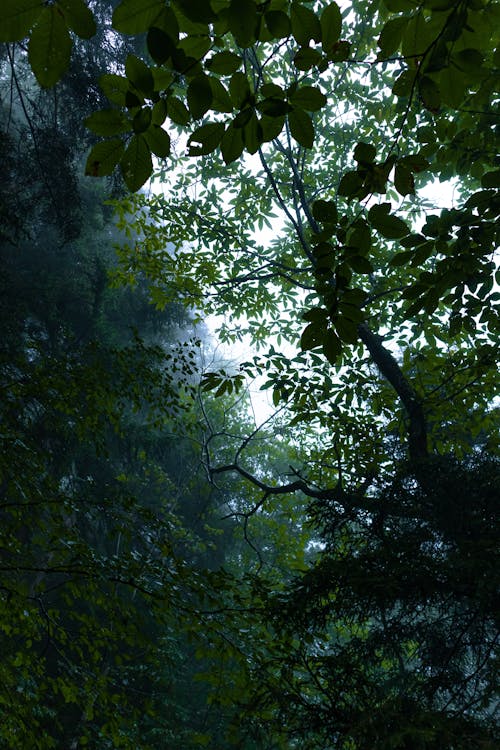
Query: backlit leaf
x=391 y=35
x=136 y=16
x=49 y=47
x=17 y=18
x=224 y=63
x=308 y=98
x=331 y=26
x=104 y=157
x=242 y=21
x=158 y=141
x=232 y=144
x=79 y=17
x=278 y=23
x=391 y=227
x=305 y=24
x=205 y=139
x=301 y=127
x=108 y=122
x=199 y=96
x=332 y=346
x=136 y=164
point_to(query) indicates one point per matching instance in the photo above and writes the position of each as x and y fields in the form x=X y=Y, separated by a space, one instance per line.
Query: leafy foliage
x=292 y=142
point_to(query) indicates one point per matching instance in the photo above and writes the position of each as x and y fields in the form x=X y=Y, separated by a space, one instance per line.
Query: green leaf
x=205 y=139
x=239 y=89
x=139 y=74
x=142 y=120
x=305 y=24
x=347 y=329
x=136 y=164
x=271 y=127
x=332 y=346
x=79 y=17
x=351 y=185
x=17 y=17
x=198 y=11
x=401 y=259
x=108 y=122
x=49 y=48
x=159 y=113
x=136 y=16
x=429 y=93
x=359 y=264
x=301 y=127
x=452 y=88
x=104 y=157
x=325 y=211
x=491 y=179
x=242 y=21
x=389 y=226
x=199 y=96
x=391 y=36
x=403 y=85
x=274 y=107
x=331 y=27
x=224 y=63
x=114 y=87
x=252 y=134
x=195 y=46
x=221 y=101
x=306 y=58
x=177 y=111
x=403 y=180
x=365 y=153
x=308 y=98
x=160 y=45
x=278 y=24
x=312 y=336
x=469 y=60
x=232 y=144
x=158 y=141
x=316 y=315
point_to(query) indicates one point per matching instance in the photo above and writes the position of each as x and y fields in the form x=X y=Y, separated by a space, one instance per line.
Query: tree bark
x=389 y=368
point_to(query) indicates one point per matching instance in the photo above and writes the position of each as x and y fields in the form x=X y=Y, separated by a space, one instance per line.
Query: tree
x=397 y=363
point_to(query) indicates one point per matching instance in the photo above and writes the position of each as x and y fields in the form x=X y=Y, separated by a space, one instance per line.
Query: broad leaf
x=232 y=144
x=205 y=139
x=305 y=24
x=136 y=164
x=79 y=17
x=331 y=27
x=139 y=74
x=224 y=63
x=308 y=98
x=391 y=35
x=104 y=157
x=278 y=23
x=391 y=227
x=108 y=122
x=136 y=16
x=17 y=18
x=49 y=48
x=332 y=345
x=199 y=96
x=158 y=141
x=301 y=127
x=325 y=211
x=242 y=21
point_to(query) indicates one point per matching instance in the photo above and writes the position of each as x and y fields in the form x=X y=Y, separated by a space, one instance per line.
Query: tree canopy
x=325 y=177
